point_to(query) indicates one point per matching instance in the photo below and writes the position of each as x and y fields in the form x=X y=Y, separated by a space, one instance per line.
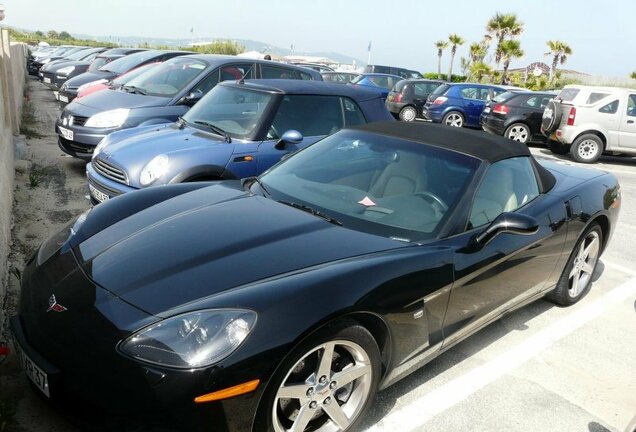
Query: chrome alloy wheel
x=454 y=120
x=584 y=264
x=588 y=149
x=325 y=390
x=518 y=133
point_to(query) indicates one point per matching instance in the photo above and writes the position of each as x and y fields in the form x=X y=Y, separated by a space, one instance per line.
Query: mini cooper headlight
x=66 y=70
x=57 y=240
x=192 y=340
x=108 y=119
x=154 y=169
x=100 y=146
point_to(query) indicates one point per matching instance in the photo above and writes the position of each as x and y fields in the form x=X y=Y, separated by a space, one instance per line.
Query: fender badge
x=54 y=305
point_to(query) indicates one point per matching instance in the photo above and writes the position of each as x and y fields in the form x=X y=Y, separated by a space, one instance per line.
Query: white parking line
x=425 y=408
x=619 y=267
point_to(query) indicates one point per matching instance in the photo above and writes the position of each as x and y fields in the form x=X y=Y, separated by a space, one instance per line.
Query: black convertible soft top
x=481 y=145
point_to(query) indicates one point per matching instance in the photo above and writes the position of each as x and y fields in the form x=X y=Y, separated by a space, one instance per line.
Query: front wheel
x=587 y=148
x=454 y=119
x=518 y=132
x=576 y=279
x=408 y=114
x=325 y=385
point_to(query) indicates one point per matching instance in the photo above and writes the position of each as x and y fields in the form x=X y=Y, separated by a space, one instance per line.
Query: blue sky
x=600 y=33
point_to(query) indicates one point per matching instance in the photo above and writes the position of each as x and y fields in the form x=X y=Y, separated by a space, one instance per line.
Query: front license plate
x=97 y=194
x=62 y=98
x=35 y=374
x=487 y=110
x=47 y=80
x=66 y=133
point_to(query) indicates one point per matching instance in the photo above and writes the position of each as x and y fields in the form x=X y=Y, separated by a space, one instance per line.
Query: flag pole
x=369 y=54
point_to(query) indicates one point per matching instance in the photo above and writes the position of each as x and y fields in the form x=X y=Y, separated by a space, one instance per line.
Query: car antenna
x=242 y=80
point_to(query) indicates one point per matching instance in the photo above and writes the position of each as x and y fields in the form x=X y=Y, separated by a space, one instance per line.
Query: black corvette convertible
x=285 y=302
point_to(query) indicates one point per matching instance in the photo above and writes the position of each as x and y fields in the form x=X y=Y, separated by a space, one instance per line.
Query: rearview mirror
x=290 y=137
x=191 y=98
x=513 y=223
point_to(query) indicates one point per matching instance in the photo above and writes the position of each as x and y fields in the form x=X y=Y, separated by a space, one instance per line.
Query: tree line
x=502 y=33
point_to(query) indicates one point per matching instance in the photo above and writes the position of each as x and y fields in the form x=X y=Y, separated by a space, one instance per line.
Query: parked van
x=589 y=121
x=392 y=70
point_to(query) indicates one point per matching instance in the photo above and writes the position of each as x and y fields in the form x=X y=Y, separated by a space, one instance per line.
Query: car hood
x=60 y=65
x=87 y=77
x=210 y=240
x=112 y=99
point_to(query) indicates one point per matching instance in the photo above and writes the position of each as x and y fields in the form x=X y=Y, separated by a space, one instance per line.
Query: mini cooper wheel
x=408 y=114
x=453 y=118
x=587 y=148
x=326 y=384
x=576 y=279
x=518 y=132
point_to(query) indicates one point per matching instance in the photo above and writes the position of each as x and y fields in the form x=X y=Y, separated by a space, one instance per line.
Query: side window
x=507 y=185
x=610 y=108
x=352 y=113
x=305 y=76
x=545 y=101
x=276 y=72
x=207 y=83
x=532 y=102
x=309 y=115
x=631 y=105
x=595 y=97
x=495 y=93
x=470 y=93
x=236 y=71
x=421 y=90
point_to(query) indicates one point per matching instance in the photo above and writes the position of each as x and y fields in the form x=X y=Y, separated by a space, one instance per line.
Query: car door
x=627 y=130
x=474 y=99
x=511 y=268
x=421 y=92
x=314 y=116
x=533 y=107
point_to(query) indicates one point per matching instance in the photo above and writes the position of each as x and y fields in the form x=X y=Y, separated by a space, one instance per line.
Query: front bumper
x=84 y=139
x=68 y=94
x=432 y=114
x=90 y=381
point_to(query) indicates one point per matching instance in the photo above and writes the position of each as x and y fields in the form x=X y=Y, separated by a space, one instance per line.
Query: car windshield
x=169 y=78
x=128 y=76
x=78 y=55
x=98 y=63
x=374 y=183
x=128 y=62
x=238 y=112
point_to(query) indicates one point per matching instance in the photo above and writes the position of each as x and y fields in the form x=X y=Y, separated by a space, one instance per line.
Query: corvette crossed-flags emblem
x=54 y=305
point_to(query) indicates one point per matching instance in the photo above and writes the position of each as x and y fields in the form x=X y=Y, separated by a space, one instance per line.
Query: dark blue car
x=238 y=130
x=459 y=105
x=381 y=83
x=160 y=95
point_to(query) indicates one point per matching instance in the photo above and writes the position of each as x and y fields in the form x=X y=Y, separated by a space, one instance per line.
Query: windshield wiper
x=133 y=89
x=215 y=129
x=312 y=211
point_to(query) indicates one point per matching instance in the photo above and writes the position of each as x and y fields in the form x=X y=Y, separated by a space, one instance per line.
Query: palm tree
x=441 y=46
x=633 y=75
x=478 y=70
x=477 y=52
x=455 y=41
x=559 y=52
x=510 y=49
x=502 y=26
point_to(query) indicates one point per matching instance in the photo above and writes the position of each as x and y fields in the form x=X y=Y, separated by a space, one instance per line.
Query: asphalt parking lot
x=540 y=368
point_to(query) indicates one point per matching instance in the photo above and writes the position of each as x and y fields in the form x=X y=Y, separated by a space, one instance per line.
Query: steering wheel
x=438 y=204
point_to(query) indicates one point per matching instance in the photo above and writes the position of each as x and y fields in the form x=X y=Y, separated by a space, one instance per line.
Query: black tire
x=522 y=130
x=453 y=119
x=587 y=148
x=563 y=294
x=408 y=114
x=558 y=148
x=551 y=117
x=338 y=331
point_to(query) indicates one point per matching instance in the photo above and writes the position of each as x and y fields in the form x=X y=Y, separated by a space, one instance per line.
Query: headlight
x=66 y=70
x=192 y=340
x=100 y=146
x=108 y=119
x=57 y=240
x=154 y=169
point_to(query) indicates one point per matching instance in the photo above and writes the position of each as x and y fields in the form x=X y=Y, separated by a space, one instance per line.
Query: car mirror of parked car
x=509 y=222
x=290 y=137
x=191 y=98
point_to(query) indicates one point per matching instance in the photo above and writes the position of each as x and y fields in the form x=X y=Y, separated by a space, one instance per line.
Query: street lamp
x=2 y=9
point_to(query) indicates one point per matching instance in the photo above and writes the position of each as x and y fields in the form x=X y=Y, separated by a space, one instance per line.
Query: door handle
x=630 y=121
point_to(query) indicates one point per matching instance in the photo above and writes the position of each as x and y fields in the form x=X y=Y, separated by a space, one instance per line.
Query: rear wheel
x=518 y=132
x=326 y=384
x=576 y=279
x=408 y=114
x=587 y=148
x=453 y=118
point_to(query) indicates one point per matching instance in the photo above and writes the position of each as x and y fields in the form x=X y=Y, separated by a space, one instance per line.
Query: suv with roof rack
x=589 y=121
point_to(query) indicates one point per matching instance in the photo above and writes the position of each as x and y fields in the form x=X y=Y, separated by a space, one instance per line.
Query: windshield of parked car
x=128 y=76
x=375 y=183
x=239 y=112
x=78 y=55
x=128 y=62
x=98 y=63
x=169 y=78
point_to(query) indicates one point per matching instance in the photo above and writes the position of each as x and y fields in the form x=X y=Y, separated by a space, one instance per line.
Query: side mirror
x=290 y=137
x=191 y=98
x=513 y=223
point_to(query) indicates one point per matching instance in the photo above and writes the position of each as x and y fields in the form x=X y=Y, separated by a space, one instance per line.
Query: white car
x=589 y=121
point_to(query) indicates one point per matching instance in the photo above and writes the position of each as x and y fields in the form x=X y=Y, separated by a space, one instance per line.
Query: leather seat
x=495 y=195
x=405 y=175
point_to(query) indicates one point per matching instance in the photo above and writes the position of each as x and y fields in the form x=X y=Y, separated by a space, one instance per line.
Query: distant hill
x=250 y=45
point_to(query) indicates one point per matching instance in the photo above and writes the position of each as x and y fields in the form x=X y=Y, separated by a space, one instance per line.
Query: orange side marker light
x=229 y=392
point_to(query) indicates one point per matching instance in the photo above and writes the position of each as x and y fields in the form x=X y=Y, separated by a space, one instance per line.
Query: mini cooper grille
x=109 y=171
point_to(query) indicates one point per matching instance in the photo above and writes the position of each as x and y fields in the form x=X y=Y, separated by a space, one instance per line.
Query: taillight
x=572 y=116
x=500 y=109
x=398 y=97
x=440 y=100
